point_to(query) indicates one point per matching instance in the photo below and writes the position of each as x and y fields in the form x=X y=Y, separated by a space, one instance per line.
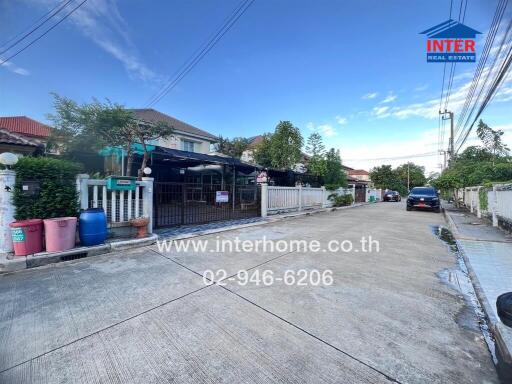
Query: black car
x=424 y=198
x=392 y=196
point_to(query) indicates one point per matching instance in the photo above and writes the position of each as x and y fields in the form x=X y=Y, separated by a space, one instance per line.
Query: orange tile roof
x=25 y=126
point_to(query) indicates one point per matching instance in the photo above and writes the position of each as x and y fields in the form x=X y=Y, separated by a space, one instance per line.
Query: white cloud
x=371 y=95
x=421 y=88
x=381 y=112
x=327 y=130
x=101 y=21
x=15 y=69
x=389 y=98
x=341 y=120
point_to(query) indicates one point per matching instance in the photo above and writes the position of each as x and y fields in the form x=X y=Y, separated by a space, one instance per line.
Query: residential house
x=248 y=154
x=358 y=179
x=359 y=174
x=186 y=137
x=23 y=135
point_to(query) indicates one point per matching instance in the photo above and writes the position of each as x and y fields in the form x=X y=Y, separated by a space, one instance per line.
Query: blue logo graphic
x=451 y=41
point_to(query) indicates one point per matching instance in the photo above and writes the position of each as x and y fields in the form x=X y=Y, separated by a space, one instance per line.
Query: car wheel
x=437 y=210
x=408 y=208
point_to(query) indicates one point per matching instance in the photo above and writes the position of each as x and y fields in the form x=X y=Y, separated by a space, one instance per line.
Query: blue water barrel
x=93 y=226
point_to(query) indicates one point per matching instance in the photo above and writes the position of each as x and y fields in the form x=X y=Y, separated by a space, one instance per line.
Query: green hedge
x=341 y=200
x=482 y=197
x=57 y=196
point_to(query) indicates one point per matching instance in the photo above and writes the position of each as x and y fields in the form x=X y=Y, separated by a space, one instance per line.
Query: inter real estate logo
x=451 y=42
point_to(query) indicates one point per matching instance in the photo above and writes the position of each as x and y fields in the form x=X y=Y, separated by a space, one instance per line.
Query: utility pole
x=451 y=150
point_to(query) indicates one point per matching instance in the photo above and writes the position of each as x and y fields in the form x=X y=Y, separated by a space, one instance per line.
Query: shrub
x=57 y=196
x=341 y=200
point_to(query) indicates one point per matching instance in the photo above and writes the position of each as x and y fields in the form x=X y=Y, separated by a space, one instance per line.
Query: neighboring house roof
x=358 y=172
x=344 y=167
x=26 y=126
x=152 y=116
x=11 y=138
x=255 y=140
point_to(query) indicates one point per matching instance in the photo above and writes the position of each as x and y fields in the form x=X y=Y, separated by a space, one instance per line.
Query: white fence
x=499 y=201
x=119 y=206
x=281 y=199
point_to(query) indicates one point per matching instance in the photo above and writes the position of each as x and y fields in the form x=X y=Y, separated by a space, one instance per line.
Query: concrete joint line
x=103 y=329
x=317 y=338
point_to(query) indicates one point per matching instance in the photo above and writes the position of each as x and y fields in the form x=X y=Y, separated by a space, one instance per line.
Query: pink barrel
x=60 y=233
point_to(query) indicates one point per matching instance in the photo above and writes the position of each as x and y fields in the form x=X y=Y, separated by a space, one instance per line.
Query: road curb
x=501 y=333
x=19 y=263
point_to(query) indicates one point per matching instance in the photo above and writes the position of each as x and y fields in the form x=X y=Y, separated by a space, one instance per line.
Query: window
x=187 y=145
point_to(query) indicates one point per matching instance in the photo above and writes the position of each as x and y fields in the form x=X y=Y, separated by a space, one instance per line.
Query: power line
x=426 y=154
x=490 y=94
x=500 y=8
x=237 y=13
x=57 y=9
x=43 y=34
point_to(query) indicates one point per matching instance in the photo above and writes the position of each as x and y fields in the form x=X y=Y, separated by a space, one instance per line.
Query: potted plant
x=141 y=223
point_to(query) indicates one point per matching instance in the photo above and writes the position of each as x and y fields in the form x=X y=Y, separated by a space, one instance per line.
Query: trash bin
x=27 y=236
x=60 y=233
x=93 y=226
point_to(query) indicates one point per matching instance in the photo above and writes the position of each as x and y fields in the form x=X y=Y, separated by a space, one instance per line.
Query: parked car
x=424 y=198
x=392 y=196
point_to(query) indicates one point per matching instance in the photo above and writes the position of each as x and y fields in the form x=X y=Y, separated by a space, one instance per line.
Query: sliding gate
x=190 y=203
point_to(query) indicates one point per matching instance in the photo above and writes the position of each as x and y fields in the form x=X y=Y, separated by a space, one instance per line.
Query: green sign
x=18 y=235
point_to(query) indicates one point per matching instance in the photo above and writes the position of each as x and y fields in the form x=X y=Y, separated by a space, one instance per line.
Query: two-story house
x=186 y=137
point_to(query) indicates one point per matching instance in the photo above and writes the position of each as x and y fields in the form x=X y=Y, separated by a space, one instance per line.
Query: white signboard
x=222 y=197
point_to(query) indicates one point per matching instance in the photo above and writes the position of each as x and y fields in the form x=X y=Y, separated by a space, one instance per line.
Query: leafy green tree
x=92 y=126
x=285 y=145
x=416 y=175
x=334 y=176
x=316 y=149
x=234 y=147
x=263 y=152
x=385 y=178
x=492 y=140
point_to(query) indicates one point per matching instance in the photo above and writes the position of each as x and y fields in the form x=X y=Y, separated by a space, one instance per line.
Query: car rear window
x=423 y=191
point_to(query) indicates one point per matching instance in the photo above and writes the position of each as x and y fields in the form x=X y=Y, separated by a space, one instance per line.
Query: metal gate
x=190 y=203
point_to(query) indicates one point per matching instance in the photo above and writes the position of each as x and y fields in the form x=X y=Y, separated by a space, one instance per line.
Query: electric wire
x=239 y=12
x=56 y=10
x=43 y=34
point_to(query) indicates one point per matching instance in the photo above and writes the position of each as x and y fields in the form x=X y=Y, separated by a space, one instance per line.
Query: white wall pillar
x=494 y=206
x=264 y=199
x=325 y=200
x=83 y=190
x=300 y=197
x=7 y=180
x=147 y=201
x=478 y=207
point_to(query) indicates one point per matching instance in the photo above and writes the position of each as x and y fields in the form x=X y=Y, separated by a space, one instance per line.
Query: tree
x=315 y=147
x=262 y=151
x=334 y=176
x=385 y=178
x=492 y=140
x=91 y=127
x=234 y=147
x=285 y=145
x=413 y=172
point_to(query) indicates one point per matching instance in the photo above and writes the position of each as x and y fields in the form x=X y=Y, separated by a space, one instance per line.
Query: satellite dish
x=147 y=171
x=8 y=158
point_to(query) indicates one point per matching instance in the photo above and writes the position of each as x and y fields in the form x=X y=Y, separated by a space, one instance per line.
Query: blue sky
x=355 y=71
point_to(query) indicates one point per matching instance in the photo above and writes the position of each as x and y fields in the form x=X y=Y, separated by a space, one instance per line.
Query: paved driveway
x=147 y=316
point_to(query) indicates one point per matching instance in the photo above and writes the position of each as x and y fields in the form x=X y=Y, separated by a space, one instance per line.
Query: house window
x=187 y=145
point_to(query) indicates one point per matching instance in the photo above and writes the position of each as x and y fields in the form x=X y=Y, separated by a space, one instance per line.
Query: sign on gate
x=222 y=197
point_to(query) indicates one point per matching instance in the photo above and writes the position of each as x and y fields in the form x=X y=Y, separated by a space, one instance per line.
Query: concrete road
x=147 y=316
